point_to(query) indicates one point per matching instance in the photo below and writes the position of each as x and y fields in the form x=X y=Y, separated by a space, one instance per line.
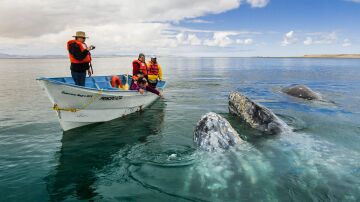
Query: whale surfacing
x=301 y=91
x=256 y=115
x=213 y=132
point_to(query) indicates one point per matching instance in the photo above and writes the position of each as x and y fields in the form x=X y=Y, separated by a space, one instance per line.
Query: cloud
x=199 y=21
x=258 y=3
x=188 y=39
x=108 y=38
x=308 y=41
x=322 y=38
x=38 y=17
x=346 y=42
x=221 y=39
x=289 y=38
x=112 y=25
x=115 y=27
x=245 y=41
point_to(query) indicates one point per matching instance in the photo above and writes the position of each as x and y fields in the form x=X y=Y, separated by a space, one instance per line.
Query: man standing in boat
x=80 y=58
x=139 y=65
x=154 y=71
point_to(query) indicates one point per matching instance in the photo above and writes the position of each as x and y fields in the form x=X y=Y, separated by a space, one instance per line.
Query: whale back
x=301 y=91
x=256 y=115
x=213 y=132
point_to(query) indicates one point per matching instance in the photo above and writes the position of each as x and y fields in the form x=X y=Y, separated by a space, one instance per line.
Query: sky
x=209 y=28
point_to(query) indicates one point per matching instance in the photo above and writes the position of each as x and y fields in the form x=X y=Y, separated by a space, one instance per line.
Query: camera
x=92 y=47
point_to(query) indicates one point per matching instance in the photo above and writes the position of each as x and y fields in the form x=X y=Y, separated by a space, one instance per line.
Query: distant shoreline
x=345 y=56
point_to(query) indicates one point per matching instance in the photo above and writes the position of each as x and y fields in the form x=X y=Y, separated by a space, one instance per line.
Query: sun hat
x=80 y=34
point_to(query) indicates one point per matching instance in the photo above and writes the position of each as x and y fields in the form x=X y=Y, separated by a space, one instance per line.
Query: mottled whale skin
x=256 y=115
x=301 y=91
x=213 y=133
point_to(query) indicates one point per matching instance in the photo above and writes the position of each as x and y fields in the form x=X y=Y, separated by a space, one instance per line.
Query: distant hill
x=333 y=56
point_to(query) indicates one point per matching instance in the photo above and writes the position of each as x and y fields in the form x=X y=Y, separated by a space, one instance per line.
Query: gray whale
x=213 y=132
x=301 y=91
x=256 y=115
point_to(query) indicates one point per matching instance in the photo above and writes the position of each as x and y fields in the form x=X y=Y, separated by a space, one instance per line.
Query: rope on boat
x=86 y=105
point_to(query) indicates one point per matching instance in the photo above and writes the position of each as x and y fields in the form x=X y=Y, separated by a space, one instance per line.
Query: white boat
x=97 y=101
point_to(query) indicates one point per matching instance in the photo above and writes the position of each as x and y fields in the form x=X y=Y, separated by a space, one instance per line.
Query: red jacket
x=138 y=65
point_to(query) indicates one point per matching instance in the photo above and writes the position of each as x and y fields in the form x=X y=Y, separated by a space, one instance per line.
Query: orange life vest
x=135 y=78
x=153 y=69
x=82 y=46
x=116 y=82
x=142 y=66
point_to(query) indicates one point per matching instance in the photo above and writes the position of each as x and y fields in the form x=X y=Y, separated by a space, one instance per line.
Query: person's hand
x=91 y=48
x=161 y=95
x=89 y=72
x=141 y=91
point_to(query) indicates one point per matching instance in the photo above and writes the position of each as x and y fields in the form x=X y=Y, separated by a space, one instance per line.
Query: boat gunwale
x=51 y=80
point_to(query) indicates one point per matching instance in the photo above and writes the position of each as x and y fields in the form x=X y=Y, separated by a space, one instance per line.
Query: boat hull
x=77 y=106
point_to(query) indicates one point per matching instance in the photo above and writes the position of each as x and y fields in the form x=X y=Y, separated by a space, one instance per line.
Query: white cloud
x=323 y=38
x=111 y=25
x=220 y=39
x=108 y=38
x=247 y=41
x=347 y=42
x=289 y=38
x=36 y=17
x=200 y=21
x=308 y=41
x=328 y=38
x=257 y=3
x=188 y=39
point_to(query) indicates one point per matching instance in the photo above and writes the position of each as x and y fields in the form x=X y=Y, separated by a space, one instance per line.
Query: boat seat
x=89 y=82
x=69 y=80
x=102 y=83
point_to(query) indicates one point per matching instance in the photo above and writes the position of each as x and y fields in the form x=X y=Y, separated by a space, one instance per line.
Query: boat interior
x=101 y=82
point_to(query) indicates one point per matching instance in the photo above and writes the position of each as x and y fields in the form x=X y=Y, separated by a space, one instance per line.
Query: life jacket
x=82 y=46
x=135 y=78
x=153 y=69
x=116 y=82
x=142 y=66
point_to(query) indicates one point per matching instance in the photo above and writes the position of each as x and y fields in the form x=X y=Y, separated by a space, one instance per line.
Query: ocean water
x=149 y=155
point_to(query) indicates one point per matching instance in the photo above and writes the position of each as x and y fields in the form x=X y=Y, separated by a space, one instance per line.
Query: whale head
x=256 y=115
x=213 y=132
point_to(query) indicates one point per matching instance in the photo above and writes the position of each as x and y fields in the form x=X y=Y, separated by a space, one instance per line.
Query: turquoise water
x=149 y=156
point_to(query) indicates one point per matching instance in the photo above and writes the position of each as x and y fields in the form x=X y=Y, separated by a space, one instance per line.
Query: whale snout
x=213 y=132
x=254 y=114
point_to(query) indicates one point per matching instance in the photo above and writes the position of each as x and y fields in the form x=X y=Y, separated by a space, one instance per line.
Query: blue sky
x=304 y=17
x=282 y=15
x=183 y=27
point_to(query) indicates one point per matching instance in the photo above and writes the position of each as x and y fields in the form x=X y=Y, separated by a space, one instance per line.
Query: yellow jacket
x=155 y=77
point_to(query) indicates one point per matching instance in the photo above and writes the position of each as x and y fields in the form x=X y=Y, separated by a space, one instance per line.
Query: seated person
x=154 y=72
x=134 y=80
x=139 y=74
x=141 y=85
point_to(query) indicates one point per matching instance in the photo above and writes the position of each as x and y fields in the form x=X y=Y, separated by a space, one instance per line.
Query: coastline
x=340 y=56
